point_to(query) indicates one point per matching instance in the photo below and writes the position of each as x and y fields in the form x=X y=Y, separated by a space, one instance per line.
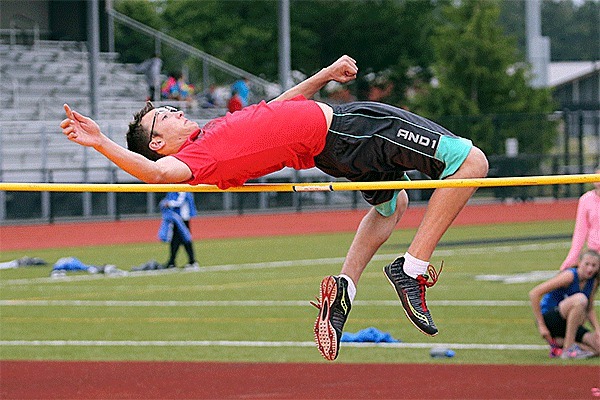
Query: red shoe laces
x=317 y=304
x=425 y=282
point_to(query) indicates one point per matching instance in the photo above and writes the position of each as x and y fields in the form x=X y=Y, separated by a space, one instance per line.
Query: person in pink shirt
x=587 y=225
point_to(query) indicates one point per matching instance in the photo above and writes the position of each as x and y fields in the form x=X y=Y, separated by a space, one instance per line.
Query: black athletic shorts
x=370 y=141
x=557 y=325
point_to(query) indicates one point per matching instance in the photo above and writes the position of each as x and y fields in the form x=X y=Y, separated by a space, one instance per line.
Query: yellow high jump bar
x=303 y=187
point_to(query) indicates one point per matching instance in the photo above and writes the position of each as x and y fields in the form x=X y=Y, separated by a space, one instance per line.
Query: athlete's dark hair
x=138 y=138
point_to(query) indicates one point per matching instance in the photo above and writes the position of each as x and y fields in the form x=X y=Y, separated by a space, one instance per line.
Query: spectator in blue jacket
x=178 y=208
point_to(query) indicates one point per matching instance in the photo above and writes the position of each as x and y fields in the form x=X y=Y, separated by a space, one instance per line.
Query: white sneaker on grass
x=192 y=267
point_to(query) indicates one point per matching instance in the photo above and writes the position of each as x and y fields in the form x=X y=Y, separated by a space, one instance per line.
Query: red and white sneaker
x=334 y=306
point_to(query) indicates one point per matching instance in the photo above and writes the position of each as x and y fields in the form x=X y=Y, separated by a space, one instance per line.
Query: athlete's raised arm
x=86 y=132
x=343 y=70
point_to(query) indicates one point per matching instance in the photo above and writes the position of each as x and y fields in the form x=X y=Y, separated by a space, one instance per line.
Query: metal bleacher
x=35 y=81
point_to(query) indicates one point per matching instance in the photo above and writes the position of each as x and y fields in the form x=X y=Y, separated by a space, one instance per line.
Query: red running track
x=214 y=380
x=31 y=237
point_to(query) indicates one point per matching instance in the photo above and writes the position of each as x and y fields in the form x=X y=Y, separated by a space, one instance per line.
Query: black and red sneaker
x=334 y=306
x=411 y=292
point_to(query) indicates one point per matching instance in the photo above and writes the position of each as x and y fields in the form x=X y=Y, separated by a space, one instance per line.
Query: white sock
x=413 y=266
x=351 y=287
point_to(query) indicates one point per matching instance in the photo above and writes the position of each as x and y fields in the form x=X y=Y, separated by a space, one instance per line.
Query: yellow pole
x=302 y=187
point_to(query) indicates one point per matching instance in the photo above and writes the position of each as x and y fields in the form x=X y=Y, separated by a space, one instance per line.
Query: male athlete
x=361 y=141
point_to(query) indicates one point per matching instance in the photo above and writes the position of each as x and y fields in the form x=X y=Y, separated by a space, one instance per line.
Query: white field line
x=250 y=303
x=243 y=343
x=294 y=263
x=246 y=303
x=267 y=303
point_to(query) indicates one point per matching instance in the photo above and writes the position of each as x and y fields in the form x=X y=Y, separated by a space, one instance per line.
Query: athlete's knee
x=394 y=207
x=402 y=202
x=579 y=300
x=476 y=163
x=401 y=205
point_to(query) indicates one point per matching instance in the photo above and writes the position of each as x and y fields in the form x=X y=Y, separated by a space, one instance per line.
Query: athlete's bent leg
x=411 y=274
x=573 y=310
x=337 y=292
x=444 y=206
x=373 y=231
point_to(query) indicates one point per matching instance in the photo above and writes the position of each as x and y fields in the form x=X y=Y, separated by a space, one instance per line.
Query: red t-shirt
x=255 y=141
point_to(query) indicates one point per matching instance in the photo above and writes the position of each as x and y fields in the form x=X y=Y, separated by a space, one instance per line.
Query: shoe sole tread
x=325 y=335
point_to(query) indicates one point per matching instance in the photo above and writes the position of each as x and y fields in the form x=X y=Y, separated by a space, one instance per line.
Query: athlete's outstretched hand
x=343 y=70
x=80 y=129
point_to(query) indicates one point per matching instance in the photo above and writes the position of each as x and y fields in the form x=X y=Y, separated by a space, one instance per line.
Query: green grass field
x=250 y=301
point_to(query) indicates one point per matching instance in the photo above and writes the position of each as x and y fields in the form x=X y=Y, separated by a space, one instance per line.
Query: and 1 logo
x=425 y=142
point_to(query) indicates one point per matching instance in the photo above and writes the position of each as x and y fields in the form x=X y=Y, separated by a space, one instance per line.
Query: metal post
x=205 y=75
x=111 y=197
x=263 y=198
x=36 y=35
x=115 y=198
x=227 y=201
x=580 y=137
x=538 y=46
x=111 y=27
x=157 y=52
x=554 y=172
x=284 y=45
x=240 y=198
x=86 y=197
x=580 y=127
x=567 y=135
x=150 y=202
x=94 y=63
x=93 y=36
x=2 y=205
x=157 y=45
x=285 y=67
x=46 y=198
x=13 y=33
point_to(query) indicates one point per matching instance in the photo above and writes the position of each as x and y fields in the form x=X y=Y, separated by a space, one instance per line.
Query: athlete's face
x=588 y=266
x=168 y=129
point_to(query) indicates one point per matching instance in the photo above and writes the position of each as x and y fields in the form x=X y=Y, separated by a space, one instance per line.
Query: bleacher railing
x=21 y=26
x=260 y=86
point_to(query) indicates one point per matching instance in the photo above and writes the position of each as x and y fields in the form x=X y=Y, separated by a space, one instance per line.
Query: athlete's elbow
x=152 y=180
x=153 y=175
x=534 y=295
x=158 y=178
x=163 y=174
